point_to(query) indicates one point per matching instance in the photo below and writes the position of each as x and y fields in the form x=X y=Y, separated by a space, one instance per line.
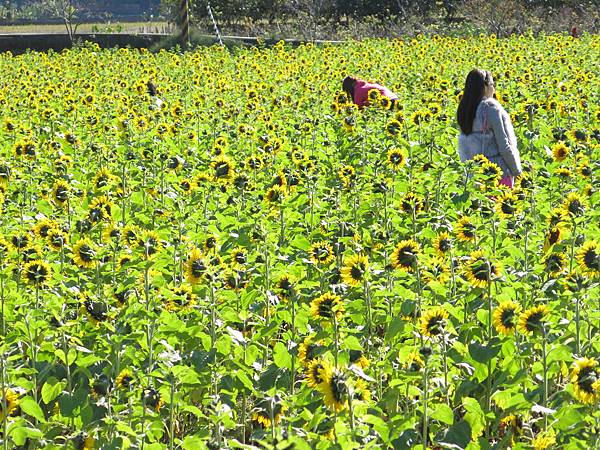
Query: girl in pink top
x=358 y=91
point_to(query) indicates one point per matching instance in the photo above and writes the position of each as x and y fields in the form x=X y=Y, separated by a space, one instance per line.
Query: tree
x=65 y=10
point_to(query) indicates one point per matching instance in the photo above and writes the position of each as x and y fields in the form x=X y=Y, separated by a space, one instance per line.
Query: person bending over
x=358 y=91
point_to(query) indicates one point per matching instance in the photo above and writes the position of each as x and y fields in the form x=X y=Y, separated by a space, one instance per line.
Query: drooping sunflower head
x=405 y=255
x=532 y=320
x=553 y=236
x=57 y=239
x=239 y=256
x=373 y=95
x=60 y=192
x=334 y=388
x=491 y=173
x=560 y=151
x=433 y=321
x=321 y=253
x=585 y=378
x=84 y=441
x=481 y=270
x=149 y=243
x=466 y=230
x=43 y=227
x=103 y=178
x=505 y=317
x=182 y=298
x=355 y=269
x=275 y=195
x=327 y=306
x=396 y=158
x=588 y=257
x=411 y=203
x=413 y=362
x=393 y=128
x=442 y=244
x=286 y=284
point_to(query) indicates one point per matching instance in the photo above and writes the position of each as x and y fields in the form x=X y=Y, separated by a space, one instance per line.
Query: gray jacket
x=493 y=136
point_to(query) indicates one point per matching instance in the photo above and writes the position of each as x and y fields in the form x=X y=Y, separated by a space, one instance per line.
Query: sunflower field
x=215 y=250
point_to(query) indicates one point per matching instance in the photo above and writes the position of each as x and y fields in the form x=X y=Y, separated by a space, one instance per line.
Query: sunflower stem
x=425 y=392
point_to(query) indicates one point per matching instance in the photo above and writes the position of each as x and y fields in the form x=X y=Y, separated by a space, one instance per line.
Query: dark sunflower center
x=591 y=259
x=553 y=236
x=339 y=389
x=575 y=207
x=198 y=268
x=534 y=321
x=508 y=207
x=435 y=325
x=468 y=230
x=86 y=253
x=444 y=245
x=222 y=169
x=507 y=318
x=586 y=378
x=326 y=308
x=554 y=263
x=37 y=273
x=357 y=271
x=482 y=270
x=321 y=253
x=406 y=257
x=396 y=158
x=316 y=373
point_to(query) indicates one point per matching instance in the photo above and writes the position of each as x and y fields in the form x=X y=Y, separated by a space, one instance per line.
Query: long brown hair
x=348 y=86
x=477 y=80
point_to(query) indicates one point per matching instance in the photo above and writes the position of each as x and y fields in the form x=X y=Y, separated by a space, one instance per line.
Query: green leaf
x=396 y=326
x=352 y=343
x=300 y=242
x=475 y=416
x=30 y=407
x=483 y=353
x=443 y=413
x=281 y=356
x=52 y=389
x=20 y=434
x=379 y=425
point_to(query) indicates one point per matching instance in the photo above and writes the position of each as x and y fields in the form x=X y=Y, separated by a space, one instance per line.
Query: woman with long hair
x=486 y=128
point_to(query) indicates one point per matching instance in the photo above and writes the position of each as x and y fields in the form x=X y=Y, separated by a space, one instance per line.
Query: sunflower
x=544 y=440
x=268 y=412
x=556 y=217
x=152 y=399
x=466 y=230
x=411 y=203
x=405 y=255
x=96 y=311
x=316 y=371
x=125 y=379
x=57 y=239
x=361 y=391
x=347 y=174
x=505 y=317
x=112 y=234
x=532 y=319
x=11 y=399
x=432 y=323
x=239 y=256
x=585 y=378
x=285 y=285
x=275 y=195
x=150 y=243
x=560 y=151
x=36 y=273
x=84 y=254
x=131 y=235
x=84 y=441
x=223 y=169
x=396 y=158
x=437 y=271
x=373 y=95
x=334 y=390
x=588 y=257
x=574 y=205
x=321 y=253
x=308 y=351
x=103 y=178
x=357 y=357
x=491 y=172
x=355 y=269
x=507 y=205
x=413 y=362
x=195 y=267
x=100 y=209
x=480 y=271
x=43 y=227
x=60 y=192
x=393 y=127
x=555 y=263
x=442 y=244
x=553 y=236
x=325 y=306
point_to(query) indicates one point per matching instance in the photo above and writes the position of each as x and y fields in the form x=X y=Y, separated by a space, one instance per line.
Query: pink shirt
x=361 y=92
